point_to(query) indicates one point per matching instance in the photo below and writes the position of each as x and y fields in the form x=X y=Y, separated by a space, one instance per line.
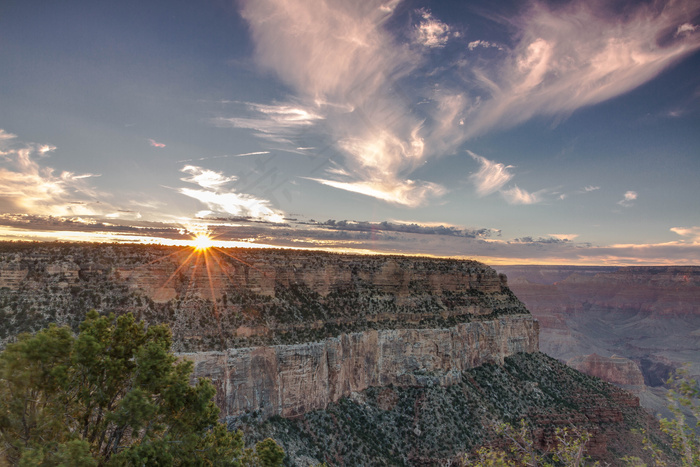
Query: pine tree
x=112 y=395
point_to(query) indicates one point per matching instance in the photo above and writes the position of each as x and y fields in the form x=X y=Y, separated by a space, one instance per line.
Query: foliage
x=112 y=395
x=683 y=399
x=568 y=449
x=684 y=396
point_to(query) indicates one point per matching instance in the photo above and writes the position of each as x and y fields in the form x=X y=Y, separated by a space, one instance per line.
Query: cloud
x=344 y=66
x=256 y=153
x=204 y=177
x=355 y=82
x=4 y=135
x=686 y=28
x=44 y=148
x=517 y=195
x=491 y=177
x=221 y=201
x=406 y=227
x=275 y=122
x=431 y=32
x=566 y=237
x=481 y=43
x=540 y=240
x=692 y=233
x=628 y=199
x=578 y=55
x=590 y=188
x=407 y=192
x=155 y=143
x=28 y=187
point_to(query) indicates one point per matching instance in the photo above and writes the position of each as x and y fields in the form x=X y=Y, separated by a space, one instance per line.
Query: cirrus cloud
x=348 y=67
x=491 y=176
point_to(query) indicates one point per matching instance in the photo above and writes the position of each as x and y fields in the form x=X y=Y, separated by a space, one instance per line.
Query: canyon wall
x=281 y=332
x=617 y=370
x=369 y=360
x=647 y=317
x=291 y=380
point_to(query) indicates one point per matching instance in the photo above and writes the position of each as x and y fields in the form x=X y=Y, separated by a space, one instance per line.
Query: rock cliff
x=235 y=298
x=284 y=332
x=618 y=370
x=435 y=425
x=290 y=380
x=409 y=358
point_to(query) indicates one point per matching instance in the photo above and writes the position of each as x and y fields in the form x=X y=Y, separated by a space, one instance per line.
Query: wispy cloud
x=274 y=122
x=628 y=199
x=155 y=143
x=347 y=70
x=205 y=178
x=245 y=154
x=225 y=202
x=491 y=176
x=589 y=188
x=344 y=64
x=407 y=192
x=517 y=195
x=686 y=28
x=581 y=54
x=485 y=44
x=568 y=237
x=4 y=135
x=691 y=233
x=28 y=187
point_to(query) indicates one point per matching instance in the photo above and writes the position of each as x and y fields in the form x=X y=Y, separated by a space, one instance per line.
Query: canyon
x=411 y=358
x=617 y=323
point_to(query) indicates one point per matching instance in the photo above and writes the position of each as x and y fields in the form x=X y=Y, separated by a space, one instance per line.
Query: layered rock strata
x=436 y=425
x=291 y=380
x=617 y=370
x=281 y=332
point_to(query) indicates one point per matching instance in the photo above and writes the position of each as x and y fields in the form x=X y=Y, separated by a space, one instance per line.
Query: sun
x=202 y=242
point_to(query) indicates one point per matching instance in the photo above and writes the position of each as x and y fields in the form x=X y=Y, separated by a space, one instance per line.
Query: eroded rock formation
x=291 y=380
x=617 y=370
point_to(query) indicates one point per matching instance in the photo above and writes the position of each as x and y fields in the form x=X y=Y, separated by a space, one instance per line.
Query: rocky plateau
x=349 y=360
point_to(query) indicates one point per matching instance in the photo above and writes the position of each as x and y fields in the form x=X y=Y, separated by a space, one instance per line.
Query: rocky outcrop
x=285 y=332
x=231 y=298
x=437 y=425
x=291 y=380
x=12 y=275
x=617 y=370
x=263 y=272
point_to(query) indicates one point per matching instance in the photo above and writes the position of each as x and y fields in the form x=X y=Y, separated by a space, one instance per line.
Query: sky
x=561 y=132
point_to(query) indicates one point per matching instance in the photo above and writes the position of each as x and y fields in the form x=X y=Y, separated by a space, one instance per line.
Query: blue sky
x=562 y=132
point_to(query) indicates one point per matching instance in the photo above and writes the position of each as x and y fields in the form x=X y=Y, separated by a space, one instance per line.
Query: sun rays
x=202 y=242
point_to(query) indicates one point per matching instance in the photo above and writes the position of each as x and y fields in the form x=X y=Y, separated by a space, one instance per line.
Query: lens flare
x=202 y=242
